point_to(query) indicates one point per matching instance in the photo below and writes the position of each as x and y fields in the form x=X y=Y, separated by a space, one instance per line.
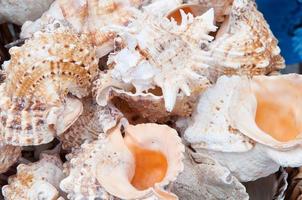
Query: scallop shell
x=146 y=57
x=252 y=130
x=136 y=166
x=19 y=11
x=205 y=178
x=244 y=44
x=88 y=16
x=39 y=180
x=35 y=105
x=95 y=120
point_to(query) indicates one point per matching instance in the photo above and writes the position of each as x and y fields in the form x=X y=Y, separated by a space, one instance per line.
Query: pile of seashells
x=157 y=99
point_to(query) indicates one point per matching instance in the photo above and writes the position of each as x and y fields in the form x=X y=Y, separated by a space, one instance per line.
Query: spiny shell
x=40 y=74
x=95 y=120
x=154 y=52
x=107 y=166
x=205 y=178
x=39 y=180
x=88 y=16
x=234 y=132
x=19 y=11
x=244 y=44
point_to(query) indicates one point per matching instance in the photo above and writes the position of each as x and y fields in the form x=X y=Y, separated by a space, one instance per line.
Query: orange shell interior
x=176 y=13
x=150 y=166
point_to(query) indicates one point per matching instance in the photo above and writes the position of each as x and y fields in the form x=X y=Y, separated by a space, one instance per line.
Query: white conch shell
x=19 y=11
x=117 y=165
x=88 y=16
x=154 y=52
x=94 y=120
x=244 y=44
x=39 y=180
x=161 y=7
x=35 y=103
x=251 y=128
x=205 y=178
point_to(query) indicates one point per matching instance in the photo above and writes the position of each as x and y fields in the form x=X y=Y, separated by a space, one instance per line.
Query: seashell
x=161 y=7
x=205 y=178
x=295 y=185
x=244 y=44
x=19 y=11
x=141 y=63
x=8 y=156
x=39 y=180
x=254 y=139
x=45 y=78
x=94 y=120
x=88 y=16
x=137 y=165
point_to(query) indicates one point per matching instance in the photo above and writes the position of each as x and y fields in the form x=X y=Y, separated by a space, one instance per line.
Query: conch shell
x=248 y=124
x=153 y=53
x=94 y=120
x=88 y=16
x=137 y=165
x=42 y=75
x=19 y=11
x=39 y=180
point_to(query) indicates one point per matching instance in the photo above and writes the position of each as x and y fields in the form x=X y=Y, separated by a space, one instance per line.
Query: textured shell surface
x=39 y=180
x=40 y=76
x=244 y=44
x=254 y=132
x=8 y=156
x=88 y=16
x=117 y=166
x=19 y=11
x=94 y=120
x=155 y=52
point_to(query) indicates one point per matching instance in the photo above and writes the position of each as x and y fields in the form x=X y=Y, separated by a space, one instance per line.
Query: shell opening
x=195 y=10
x=277 y=113
x=150 y=166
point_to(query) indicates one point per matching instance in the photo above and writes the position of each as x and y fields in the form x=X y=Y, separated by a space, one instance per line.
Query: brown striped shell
x=39 y=180
x=45 y=77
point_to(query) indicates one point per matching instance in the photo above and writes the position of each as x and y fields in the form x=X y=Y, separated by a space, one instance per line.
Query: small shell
x=35 y=106
x=95 y=120
x=39 y=180
x=88 y=16
x=19 y=11
x=154 y=52
x=8 y=156
x=251 y=128
x=244 y=44
x=136 y=166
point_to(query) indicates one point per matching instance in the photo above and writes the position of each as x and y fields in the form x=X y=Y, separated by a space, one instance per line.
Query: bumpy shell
x=244 y=44
x=19 y=11
x=205 y=178
x=136 y=166
x=88 y=16
x=95 y=120
x=35 y=105
x=38 y=180
x=153 y=52
x=8 y=156
x=248 y=124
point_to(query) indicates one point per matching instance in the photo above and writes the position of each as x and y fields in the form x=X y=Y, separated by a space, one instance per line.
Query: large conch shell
x=39 y=180
x=94 y=120
x=135 y=164
x=248 y=125
x=19 y=11
x=42 y=75
x=88 y=16
x=156 y=56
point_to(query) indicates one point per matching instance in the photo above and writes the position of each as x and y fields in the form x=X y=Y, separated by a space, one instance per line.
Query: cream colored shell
x=41 y=74
x=39 y=180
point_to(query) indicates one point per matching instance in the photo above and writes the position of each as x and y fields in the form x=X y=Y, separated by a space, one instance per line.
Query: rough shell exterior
x=95 y=120
x=154 y=52
x=8 y=156
x=34 y=181
x=244 y=44
x=40 y=74
x=237 y=141
x=105 y=167
x=19 y=11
